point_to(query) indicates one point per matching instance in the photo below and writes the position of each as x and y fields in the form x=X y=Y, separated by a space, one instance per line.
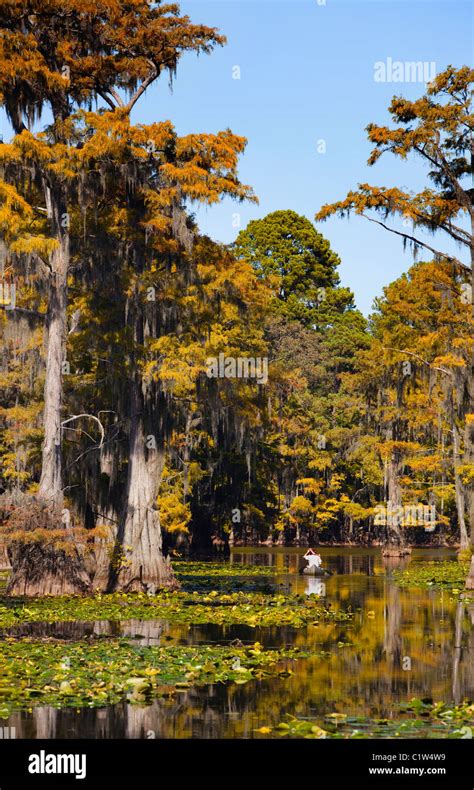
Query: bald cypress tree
x=439 y=129
x=61 y=57
x=57 y=61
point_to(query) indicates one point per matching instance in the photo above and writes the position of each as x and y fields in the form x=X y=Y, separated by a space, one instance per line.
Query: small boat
x=313 y=567
x=312 y=570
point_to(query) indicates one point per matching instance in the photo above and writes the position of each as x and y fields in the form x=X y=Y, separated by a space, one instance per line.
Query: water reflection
x=315 y=586
x=400 y=644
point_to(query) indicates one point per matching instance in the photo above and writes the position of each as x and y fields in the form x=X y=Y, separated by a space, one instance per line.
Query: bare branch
x=419 y=243
x=81 y=431
x=451 y=229
x=107 y=518
x=117 y=97
x=23 y=310
x=424 y=361
x=107 y=99
x=89 y=417
x=141 y=90
x=42 y=261
x=442 y=164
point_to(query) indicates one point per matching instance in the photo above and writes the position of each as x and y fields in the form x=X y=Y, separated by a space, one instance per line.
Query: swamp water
x=400 y=644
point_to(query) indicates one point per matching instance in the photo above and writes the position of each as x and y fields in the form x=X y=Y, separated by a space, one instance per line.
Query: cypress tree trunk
x=469 y=453
x=50 y=487
x=468 y=437
x=470 y=577
x=395 y=540
x=469 y=431
x=40 y=568
x=4 y=559
x=103 y=550
x=108 y=517
x=459 y=490
x=139 y=564
x=469 y=460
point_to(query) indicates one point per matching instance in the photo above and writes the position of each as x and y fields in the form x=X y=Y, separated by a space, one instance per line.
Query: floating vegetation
x=107 y=671
x=225 y=577
x=449 y=575
x=237 y=608
x=463 y=713
x=185 y=568
x=438 y=720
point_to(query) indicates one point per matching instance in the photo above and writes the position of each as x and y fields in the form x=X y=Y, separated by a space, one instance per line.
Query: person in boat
x=313 y=559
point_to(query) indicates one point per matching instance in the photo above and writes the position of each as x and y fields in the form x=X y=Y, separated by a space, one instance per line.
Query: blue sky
x=307 y=73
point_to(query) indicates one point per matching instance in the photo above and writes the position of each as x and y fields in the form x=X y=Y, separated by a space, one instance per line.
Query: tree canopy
x=161 y=391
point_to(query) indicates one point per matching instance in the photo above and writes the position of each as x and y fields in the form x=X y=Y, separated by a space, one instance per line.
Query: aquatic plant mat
x=80 y=652
x=81 y=674
x=102 y=670
x=252 y=609
x=447 y=575
x=186 y=569
x=427 y=720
